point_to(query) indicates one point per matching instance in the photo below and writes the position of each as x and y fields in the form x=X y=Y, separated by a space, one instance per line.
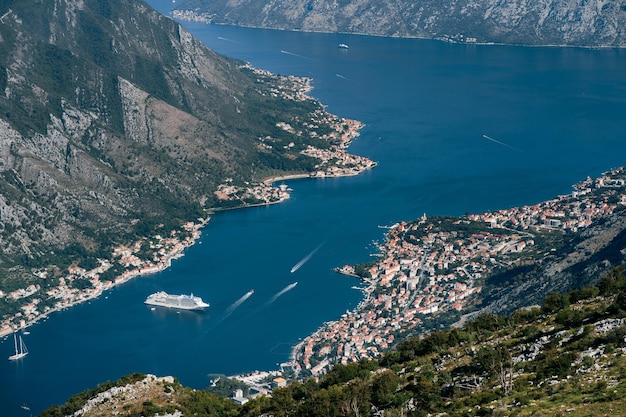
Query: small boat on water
x=20 y=349
x=284 y=187
x=343 y=46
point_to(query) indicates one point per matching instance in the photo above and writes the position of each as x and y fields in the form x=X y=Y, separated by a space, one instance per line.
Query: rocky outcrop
x=119 y=398
x=545 y=22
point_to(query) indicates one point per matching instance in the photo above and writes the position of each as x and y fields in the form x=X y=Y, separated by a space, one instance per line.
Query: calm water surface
x=554 y=116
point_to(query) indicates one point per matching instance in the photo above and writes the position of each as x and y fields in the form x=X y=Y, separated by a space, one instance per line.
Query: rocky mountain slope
x=117 y=124
x=566 y=357
x=549 y=22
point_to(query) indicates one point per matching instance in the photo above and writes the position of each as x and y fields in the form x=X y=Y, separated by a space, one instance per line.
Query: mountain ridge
x=563 y=23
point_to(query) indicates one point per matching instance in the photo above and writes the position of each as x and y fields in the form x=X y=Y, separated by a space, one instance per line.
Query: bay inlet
x=427 y=107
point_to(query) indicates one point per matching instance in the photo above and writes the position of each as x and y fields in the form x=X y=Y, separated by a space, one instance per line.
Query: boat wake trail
x=230 y=310
x=501 y=143
x=227 y=40
x=305 y=259
x=342 y=77
x=236 y=304
x=281 y=292
x=296 y=55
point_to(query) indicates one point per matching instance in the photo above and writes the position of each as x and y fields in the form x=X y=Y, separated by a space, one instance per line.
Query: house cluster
x=79 y=285
x=251 y=194
x=336 y=162
x=435 y=265
x=591 y=199
x=414 y=277
x=333 y=162
x=289 y=87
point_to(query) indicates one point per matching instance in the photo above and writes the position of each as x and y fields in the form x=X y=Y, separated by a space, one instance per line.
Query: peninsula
x=433 y=269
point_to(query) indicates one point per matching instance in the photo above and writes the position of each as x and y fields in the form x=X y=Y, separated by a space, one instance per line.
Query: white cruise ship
x=183 y=302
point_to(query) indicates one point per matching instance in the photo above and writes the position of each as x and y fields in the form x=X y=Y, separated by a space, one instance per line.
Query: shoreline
x=14 y=324
x=427 y=265
x=175 y=253
x=167 y=261
x=272 y=180
x=191 y=16
x=370 y=286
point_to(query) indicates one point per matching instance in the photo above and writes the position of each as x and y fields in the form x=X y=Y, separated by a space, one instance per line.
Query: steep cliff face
x=89 y=91
x=110 y=114
x=545 y=22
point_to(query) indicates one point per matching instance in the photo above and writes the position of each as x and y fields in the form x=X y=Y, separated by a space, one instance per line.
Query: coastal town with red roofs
x=429 y=266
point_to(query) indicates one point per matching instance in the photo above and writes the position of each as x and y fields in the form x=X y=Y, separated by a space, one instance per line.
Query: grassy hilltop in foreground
x=565 y=358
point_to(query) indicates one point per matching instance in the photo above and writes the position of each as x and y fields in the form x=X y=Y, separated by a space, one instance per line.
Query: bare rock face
x=120 y=398
x=113 y=115
x=544 y=22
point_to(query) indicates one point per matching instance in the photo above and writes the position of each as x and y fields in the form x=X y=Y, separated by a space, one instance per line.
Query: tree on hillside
x=496 y=363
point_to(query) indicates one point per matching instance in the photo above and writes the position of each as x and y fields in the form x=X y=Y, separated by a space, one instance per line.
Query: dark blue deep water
x=558 y=116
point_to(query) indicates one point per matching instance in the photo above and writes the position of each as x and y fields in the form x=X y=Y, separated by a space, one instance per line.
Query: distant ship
x=183 y=302
x=343 y=46
x=20 y=349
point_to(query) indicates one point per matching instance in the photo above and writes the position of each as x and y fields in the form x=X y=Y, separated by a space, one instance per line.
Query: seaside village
x=67 y=293
x=333 y=162
x=164 y=248
x=430 y=266
x=80 y=285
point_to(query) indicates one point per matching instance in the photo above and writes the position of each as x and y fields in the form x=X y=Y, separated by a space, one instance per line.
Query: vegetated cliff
x=115 y=121
x=548 y=22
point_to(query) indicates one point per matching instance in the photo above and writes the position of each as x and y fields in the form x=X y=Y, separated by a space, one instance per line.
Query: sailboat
x=20 y=349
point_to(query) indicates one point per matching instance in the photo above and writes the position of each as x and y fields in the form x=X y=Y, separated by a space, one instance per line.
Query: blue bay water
x=555 y=116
